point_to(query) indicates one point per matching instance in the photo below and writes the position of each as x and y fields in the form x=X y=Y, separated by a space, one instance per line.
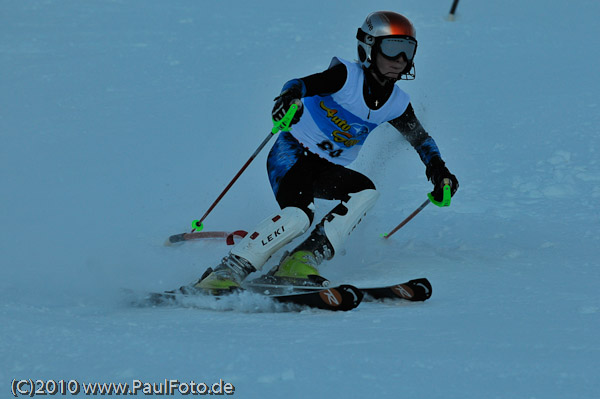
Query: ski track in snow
x=120 y=122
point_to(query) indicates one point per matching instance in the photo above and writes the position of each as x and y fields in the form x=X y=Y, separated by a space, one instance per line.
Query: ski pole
x=444 y=202
x=452 y=10
x=408 y=219
x=283 y=125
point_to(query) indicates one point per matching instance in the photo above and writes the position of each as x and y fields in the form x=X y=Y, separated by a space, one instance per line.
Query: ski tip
x=356 y=295
x=417 y=290
x=422 y=289
x=414 y=290
x=175 y=239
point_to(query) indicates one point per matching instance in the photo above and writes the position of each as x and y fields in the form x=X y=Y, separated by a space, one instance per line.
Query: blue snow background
x=121 y=121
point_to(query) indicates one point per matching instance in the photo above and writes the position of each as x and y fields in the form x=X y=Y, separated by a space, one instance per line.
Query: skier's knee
x=309 y=210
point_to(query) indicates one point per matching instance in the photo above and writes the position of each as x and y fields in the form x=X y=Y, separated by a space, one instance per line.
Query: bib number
x=328 y=147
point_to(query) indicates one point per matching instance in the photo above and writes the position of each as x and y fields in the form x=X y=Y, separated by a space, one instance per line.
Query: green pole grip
x=446 y=199
x=286 y=121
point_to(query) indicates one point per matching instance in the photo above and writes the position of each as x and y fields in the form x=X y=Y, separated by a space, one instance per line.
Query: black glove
x=283 y=103
x=437 y=172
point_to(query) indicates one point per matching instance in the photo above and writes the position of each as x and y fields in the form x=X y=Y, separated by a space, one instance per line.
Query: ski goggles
x=392 y=47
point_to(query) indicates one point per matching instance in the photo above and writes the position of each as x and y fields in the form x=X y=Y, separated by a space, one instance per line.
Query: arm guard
x=415 y=134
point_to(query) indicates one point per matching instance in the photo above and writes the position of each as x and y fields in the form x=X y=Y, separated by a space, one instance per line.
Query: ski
x=343 y=297
x=269 y=284
x=416 y=290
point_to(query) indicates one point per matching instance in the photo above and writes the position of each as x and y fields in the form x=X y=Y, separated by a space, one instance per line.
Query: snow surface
x=121 y=121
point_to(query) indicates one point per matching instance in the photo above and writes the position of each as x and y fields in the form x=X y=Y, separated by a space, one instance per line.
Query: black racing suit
x=306 y=176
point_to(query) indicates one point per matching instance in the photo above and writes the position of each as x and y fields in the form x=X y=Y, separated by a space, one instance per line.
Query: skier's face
x=390 y=68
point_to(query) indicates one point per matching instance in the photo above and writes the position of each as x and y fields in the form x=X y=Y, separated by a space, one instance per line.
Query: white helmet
x=390 y=34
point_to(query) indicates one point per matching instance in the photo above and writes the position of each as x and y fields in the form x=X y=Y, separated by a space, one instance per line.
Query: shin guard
x=271 y=235
x=340 y=222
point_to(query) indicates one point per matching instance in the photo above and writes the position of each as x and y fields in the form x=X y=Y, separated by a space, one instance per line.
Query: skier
x=337 y=109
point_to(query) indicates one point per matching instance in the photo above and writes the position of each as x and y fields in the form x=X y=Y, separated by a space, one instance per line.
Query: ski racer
x=337 y=109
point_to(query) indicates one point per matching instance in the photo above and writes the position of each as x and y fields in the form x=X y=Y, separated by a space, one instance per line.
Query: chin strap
x=387 y=80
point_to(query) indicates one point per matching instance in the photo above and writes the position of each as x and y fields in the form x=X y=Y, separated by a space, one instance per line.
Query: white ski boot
x=254 y=250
